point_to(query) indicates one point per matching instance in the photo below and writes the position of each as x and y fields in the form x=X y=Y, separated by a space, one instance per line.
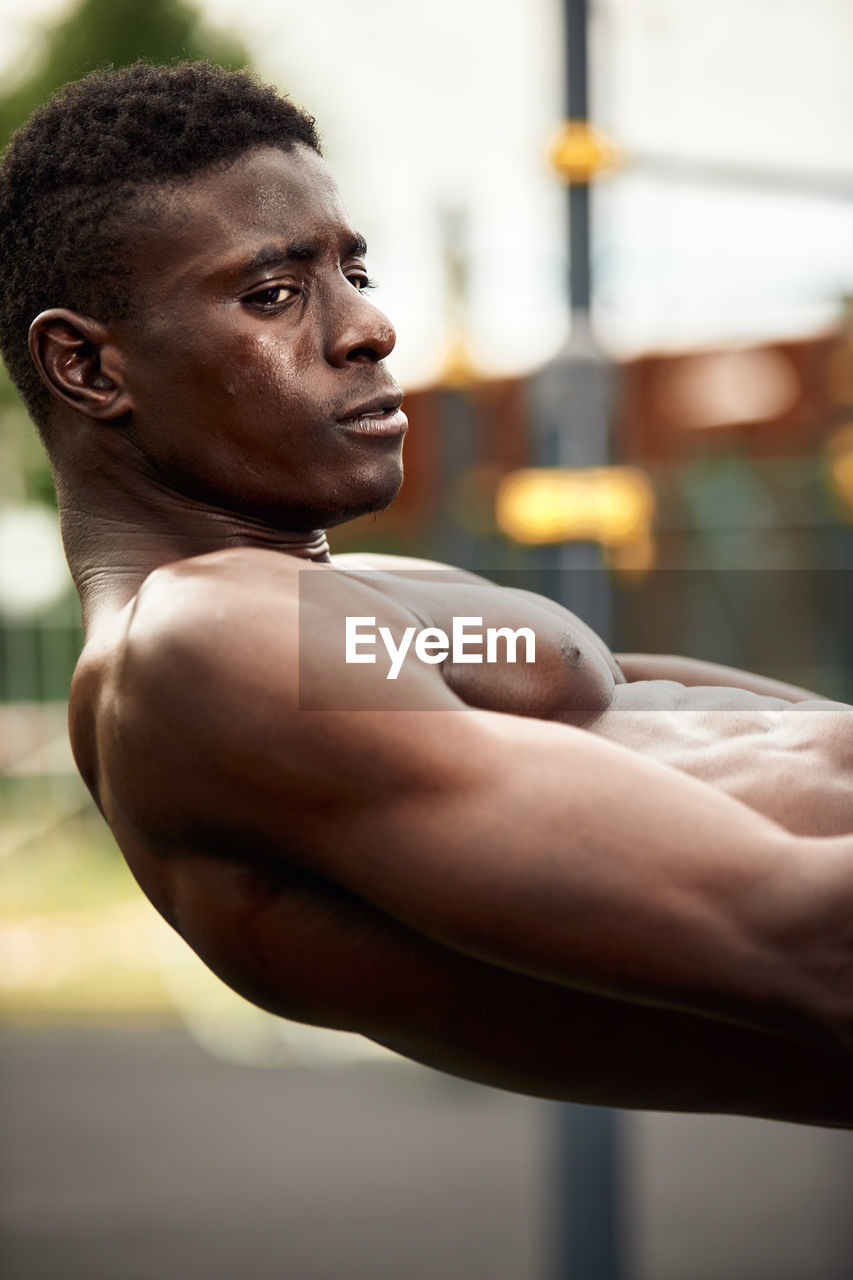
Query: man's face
x=255 y=361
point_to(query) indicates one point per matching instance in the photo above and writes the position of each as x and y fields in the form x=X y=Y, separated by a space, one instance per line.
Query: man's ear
x=79 y=364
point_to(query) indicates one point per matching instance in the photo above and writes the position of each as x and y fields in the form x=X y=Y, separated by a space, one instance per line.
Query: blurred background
x=616 y=239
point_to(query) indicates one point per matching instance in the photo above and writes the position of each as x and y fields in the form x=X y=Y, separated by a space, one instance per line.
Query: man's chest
x=496 y=648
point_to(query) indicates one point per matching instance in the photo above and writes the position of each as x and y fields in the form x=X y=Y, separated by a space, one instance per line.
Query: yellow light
x=610 y=505
x=579 y=152
x=839 y=449
x=458 y=365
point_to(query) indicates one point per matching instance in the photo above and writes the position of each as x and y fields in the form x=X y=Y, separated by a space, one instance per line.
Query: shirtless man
x=506 y=870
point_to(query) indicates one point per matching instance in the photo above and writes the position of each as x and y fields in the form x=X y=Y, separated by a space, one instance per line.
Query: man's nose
x=358 y=331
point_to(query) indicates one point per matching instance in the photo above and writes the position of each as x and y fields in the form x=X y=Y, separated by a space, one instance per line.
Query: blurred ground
x=131 y=1154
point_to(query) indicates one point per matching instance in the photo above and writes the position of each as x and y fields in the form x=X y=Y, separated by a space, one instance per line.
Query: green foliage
x=96 y=33
x=100 y=33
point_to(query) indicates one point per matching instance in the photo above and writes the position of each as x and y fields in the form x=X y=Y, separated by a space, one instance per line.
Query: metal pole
x=586 y=1238
x=576 y=61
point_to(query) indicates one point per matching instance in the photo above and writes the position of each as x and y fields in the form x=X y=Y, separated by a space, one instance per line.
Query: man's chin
x=361 y=500
x=378 y=499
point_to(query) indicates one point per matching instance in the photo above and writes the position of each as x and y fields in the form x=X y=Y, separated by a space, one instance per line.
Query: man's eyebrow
x=273 y=255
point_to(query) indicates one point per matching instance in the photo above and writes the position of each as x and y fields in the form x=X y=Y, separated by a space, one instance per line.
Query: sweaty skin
x=501 y=871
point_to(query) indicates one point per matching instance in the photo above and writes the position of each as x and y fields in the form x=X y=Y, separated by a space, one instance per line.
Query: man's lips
x=383 y=404
x=379 y=416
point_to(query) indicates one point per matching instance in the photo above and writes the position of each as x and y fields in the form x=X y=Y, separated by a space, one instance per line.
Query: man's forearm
x=694 y=671
x=306 y=950
x=547 y=851
x=564 y=1044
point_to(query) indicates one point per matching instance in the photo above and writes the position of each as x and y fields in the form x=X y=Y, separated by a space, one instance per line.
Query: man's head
x=197 y=285
x=77 y=177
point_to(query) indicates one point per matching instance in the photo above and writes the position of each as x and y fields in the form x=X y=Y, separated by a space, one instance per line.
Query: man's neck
x=112 y=546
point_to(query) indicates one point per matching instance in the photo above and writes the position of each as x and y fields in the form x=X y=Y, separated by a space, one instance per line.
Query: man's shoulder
x=381 y=562
x=200 y=705
x=206 y=587
x=251 y=585
x=212 y=642
x=182 y=633
x=198 y=624
x=185 y=677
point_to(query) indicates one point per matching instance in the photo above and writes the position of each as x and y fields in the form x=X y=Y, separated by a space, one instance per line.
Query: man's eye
x=275 y=296
x=361 y=281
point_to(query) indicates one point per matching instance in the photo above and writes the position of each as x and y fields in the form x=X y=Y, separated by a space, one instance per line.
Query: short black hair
x=74 y=174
